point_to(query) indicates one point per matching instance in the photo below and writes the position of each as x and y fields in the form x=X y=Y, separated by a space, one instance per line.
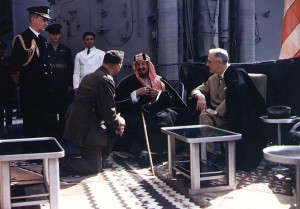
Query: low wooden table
x=194 y=135
x=46 y=149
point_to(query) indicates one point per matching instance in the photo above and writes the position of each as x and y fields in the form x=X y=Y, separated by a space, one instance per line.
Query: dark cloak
x=159 y=113
x=244 y=106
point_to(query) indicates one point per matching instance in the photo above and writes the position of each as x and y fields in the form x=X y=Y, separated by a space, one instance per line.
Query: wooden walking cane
x=147 y=143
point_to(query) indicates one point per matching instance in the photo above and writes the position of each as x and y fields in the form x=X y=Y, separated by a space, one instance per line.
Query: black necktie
x=88 y=51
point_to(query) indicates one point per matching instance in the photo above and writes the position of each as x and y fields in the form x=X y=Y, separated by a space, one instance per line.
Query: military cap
x=3 y=45
x=54 y=28
x=40 y=10
x=114 y=57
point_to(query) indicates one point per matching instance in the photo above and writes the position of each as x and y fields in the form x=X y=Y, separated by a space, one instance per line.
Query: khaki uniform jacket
x=94 y=102
x=215 y=90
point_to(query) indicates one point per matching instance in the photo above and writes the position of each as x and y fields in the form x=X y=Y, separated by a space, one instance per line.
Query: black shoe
x=211 y=157
x=64 y=172
x=157 y=158
x=106 y=165
x=143 y=160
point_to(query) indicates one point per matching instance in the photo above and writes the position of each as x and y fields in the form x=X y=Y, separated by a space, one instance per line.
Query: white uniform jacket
x=86 y=63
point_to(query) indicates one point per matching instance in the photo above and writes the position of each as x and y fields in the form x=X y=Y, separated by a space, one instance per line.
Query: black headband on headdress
x=141 y=57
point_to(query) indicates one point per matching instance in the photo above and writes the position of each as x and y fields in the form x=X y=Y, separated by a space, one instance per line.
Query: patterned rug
x=264 y=180
x=125 y=184
x=129 y=186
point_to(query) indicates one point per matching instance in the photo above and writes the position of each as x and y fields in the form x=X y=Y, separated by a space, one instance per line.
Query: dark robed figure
x=146 y=91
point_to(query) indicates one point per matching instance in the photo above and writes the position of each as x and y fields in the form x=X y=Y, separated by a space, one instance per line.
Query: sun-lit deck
x=125 y=185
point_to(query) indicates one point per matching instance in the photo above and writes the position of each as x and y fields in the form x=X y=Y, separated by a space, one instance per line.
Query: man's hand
x=201 y=102
x=147 y=91
x=210 y=111
x=153 y=93
x=121 y=120
x=120 y=130
x=122 y=125
x=142 y=91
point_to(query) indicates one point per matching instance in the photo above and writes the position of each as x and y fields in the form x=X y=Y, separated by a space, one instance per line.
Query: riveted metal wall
x=157 y=27
x=127 y=25
x=168 y=37
x=207 y=24
x=269 y=16
x=245 y=30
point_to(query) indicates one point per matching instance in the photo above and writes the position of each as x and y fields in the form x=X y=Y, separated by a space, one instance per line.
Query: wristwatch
x=215 y=112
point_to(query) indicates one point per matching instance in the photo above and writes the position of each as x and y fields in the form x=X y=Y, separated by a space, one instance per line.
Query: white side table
x=286 y=155
x=46 y=149
x=194 y=135
x=279 y=121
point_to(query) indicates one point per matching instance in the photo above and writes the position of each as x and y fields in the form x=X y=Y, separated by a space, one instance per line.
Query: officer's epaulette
x=31 y=50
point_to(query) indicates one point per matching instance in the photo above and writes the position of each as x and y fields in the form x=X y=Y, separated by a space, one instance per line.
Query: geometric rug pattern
x=125 y=185
x=278 y=183
x=122 y=186
x=132 y=188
